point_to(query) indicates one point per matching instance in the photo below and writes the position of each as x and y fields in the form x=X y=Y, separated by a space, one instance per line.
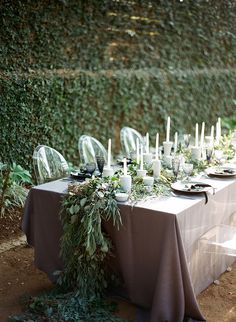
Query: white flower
x=100 y=194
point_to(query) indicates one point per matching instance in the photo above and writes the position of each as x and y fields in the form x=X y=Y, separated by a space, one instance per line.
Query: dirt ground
x=19 y=277
x=10 y=225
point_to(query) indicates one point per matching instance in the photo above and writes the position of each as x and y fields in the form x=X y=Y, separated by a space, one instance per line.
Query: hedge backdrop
x=69 y=68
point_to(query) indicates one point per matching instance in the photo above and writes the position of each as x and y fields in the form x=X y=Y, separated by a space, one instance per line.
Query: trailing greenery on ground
x=56 y=306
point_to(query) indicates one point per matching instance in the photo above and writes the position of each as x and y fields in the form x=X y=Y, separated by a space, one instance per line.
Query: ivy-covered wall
x=117 y=34
x=56 y=110
x=73 y=67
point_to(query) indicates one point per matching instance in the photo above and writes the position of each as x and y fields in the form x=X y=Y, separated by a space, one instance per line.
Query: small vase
x=141 y=173
x=148 y=181
x=126 y=182
x=147 y=158
x=196 y=153
x=156 y=166
x=167 y=147
x=107 y=172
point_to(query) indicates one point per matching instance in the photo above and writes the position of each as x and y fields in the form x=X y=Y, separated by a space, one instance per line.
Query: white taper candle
x=219 y=122
x=217 y=129
x=196 y=135
x=157 y=146
x=176 y=142
x=168 y=130
x=109 y=154
x=137 y=150
x=212 y=134
x=125 y=167
x=147 y=142
x=202 y=134
x=141 y=158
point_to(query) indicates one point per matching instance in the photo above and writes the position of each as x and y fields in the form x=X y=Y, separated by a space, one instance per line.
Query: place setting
x=186 y=185
x=99 y=166
x=84 y=172
x=222 y=169
x=221 y=172
x=183 y=189
x=192 y=187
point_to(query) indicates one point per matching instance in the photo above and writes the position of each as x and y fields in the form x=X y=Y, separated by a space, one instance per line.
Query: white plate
x=221 y=172
x=190 y=187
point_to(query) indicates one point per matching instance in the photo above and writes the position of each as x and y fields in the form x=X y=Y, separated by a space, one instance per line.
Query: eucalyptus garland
x=85 y=246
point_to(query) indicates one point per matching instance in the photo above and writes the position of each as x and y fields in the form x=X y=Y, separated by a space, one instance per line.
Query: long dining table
x=158 y=248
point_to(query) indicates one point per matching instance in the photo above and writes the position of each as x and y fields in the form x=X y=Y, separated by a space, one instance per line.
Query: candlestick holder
x=203 y=152
x=148 y=181
x=107 y=172
x=126 y=182
x=208 y=139
x=168 y=161
x=196 y=152
x=156 y=166
x=167 y=145
x=141 y=173
x=121 y=196
x=147 y=158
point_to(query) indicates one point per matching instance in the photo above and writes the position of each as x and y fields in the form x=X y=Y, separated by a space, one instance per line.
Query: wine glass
x=218 y=155
x=176 y=166
x=186 y=140
x=90 y=167
x=100 y=162
x=233 y=143
x=209 y=152
x=188 y=169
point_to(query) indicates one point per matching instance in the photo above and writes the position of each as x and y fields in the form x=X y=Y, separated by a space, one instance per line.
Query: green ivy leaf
x=83 y=202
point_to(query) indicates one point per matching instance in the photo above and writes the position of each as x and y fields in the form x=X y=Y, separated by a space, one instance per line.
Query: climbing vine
x=69 y=68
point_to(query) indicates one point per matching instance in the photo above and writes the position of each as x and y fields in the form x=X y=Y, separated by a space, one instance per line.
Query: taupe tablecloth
x=155 y=247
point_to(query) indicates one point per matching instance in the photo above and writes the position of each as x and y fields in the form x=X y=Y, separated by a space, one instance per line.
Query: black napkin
x=199 y=185
x=230 y=171
x=202 y=185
